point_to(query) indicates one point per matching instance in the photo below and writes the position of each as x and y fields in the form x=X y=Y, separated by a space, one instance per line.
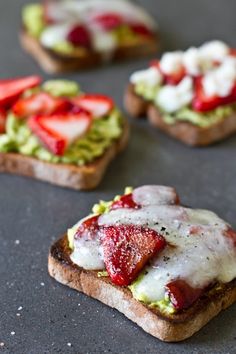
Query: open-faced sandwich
x=56 y=133
x=167 y=267
x=189 y=95
x=67 y=35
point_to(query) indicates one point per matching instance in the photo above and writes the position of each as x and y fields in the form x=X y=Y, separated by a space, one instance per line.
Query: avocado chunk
x=62 y=88
x=32 y=18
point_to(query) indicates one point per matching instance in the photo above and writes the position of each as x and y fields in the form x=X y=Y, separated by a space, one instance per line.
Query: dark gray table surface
x=36 y=214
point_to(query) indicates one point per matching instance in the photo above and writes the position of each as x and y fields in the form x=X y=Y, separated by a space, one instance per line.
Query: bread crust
x=186 y=132
x=64 y=175
x=54 y=63
x=171 y=328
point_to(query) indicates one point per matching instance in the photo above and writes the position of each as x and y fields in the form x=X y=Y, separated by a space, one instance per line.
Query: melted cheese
x=197 y=251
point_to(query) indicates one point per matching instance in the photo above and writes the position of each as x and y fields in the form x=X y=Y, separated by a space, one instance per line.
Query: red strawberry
x=173 y=79
x=126 y=201
x=232 y=52
x=79 y=36
x=141 y=29
x=40 y=103
x=204 y=103
x=232 y=235
x=57 y=131
x=3 y=117
x=108 y=21
x=88 y=228
x=10 y=90
x=127 y=248
x=97 y=105
x=181 y=294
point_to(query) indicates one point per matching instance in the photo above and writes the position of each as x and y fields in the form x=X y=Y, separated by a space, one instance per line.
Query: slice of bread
x=186 y=132
x=54 y=63
x=64 y=175
x=171 y=328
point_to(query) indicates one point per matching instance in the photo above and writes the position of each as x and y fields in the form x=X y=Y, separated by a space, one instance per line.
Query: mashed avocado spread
x=19 y=138
x=186 y=114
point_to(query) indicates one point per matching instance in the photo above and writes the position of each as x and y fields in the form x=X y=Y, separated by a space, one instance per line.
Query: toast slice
x=186 y=132
x=148 y=247
x=64 y=175
x=54 y=63
x=173 y=328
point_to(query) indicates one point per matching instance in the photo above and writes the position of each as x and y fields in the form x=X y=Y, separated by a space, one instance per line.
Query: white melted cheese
x=85 y=10
x=87 y=252
x=54 y=34
x=172 y=98
x=197 y=251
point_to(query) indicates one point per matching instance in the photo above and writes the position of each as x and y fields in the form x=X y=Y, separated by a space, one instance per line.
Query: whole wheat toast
x=64 y=175
x=171 y=328
x=54 y=63
x=186 y=132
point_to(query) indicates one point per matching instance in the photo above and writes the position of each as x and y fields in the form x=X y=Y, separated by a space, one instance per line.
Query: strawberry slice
x=173 y=79
x=232 y=235
x=97 y=105
x=10 y=90
x=126 y=201
x=141 y=29
x=181 y=294
x=3 y=117
x=41 y=103
x=108 y=21
x=127 y=248
x=232 y=52
x=80 y=36
x=204 y=103
x=89 y=228
x=59 y=130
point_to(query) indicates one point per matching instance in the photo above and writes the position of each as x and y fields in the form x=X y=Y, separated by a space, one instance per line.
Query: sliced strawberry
x=204 y=103
x=97 y=105
x=232 y=235
x=181 y=294
x=40 y=103
x=58 y=131
x=108 y=21
x=89 y=228
x=80 y=36
x=173 y=79
x=126 y=201
x=232 y=52
x=141 y=29
x=10 y=90
x=127 y=248
x=3 y=116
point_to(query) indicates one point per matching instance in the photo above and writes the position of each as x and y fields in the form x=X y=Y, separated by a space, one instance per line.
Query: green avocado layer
x=32 y=18
x=186 y=114
x=19 y=138
x=164 y=305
